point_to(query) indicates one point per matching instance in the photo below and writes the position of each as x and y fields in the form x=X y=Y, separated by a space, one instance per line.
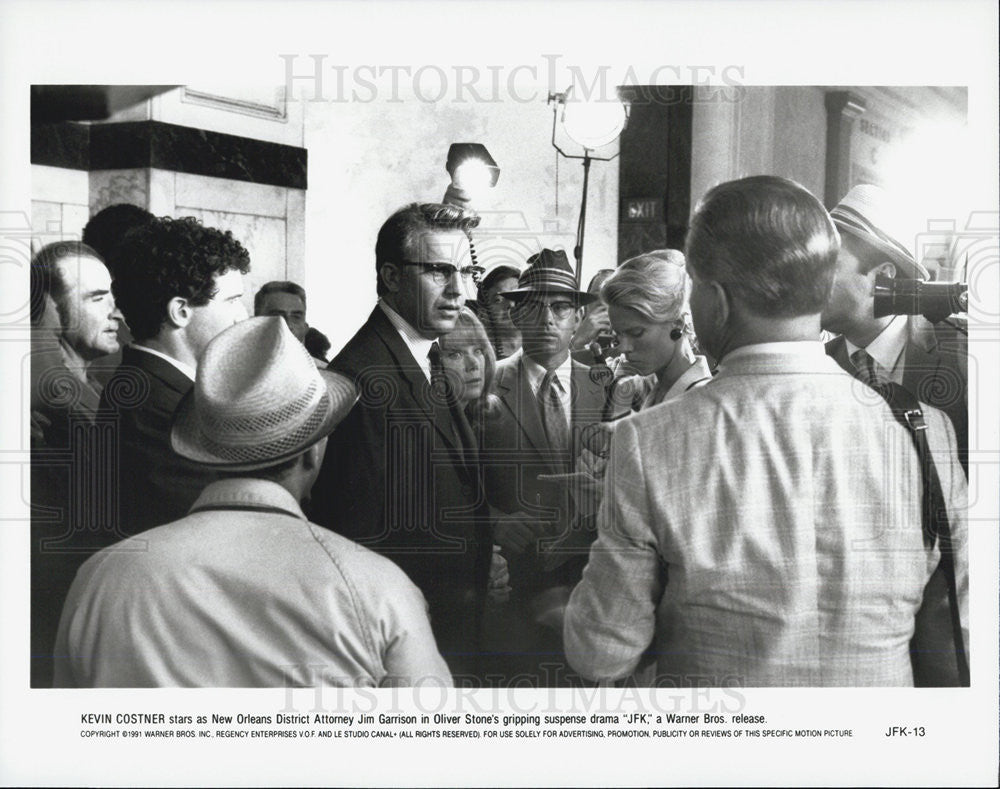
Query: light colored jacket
x=765 y=530
x=244 y=592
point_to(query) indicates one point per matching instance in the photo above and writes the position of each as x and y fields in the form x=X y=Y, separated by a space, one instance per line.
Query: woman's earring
x=676 y=334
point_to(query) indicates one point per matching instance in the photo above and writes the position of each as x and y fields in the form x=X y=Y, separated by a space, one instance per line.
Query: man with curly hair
x=180 y=284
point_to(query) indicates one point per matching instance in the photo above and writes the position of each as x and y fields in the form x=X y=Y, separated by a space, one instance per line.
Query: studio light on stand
x=591 y=123
x=473 y=171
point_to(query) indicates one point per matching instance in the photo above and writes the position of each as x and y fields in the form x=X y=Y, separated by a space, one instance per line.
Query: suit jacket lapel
x=837 y=350
x=413 y=374
x=515 y=392
x=920 y=365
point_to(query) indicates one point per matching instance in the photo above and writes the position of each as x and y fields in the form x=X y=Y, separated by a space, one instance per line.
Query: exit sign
x=643 y=210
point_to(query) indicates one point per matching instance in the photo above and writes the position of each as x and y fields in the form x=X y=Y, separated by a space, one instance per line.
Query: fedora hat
x=258 y=399
x=549 y=272
x=871 y=214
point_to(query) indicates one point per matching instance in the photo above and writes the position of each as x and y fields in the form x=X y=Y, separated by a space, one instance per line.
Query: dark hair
x=769 y=242
x=317 y=343
x=167 y=258
x=107 y=228
x=401 y=232
x=46 y=277
x=277 y=286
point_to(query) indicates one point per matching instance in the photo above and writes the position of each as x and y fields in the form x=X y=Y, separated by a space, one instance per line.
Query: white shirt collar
x=187 y=369
x=536 y=373
x=887 y=348
x=419 y=346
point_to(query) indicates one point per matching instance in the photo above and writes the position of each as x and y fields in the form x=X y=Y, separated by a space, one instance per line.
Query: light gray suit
x=765 y=530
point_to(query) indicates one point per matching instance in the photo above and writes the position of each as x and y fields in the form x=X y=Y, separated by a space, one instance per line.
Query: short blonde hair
x=468 y=331
x=654 y=284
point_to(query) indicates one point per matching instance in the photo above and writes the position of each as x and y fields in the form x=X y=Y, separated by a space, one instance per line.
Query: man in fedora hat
x=531 y=451
x=931 y=361
x=401 y=476
x=244 y=591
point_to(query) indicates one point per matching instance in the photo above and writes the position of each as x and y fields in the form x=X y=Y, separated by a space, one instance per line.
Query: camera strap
x=934 y=514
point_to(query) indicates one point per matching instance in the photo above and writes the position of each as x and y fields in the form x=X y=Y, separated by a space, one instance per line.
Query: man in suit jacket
x=749 y=533
x=931 y=361
x=550 y=404
x=401 y=475
x=74 y=322
x=179 y=284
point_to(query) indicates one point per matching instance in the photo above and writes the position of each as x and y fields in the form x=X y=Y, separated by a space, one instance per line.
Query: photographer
x=929 y=360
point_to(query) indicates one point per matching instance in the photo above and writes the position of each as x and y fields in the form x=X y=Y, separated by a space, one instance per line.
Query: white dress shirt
x=419 y=346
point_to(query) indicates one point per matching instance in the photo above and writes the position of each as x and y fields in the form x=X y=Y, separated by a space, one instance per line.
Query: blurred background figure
x=646 y=302
x=104 y=234
x=594 y=341
x=287 y=300
x=318 y=345
x=493 y=308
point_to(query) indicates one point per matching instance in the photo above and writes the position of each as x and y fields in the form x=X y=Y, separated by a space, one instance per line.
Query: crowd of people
x=501 y=480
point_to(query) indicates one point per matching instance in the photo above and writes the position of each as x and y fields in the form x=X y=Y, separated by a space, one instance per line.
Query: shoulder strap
x=907 y=411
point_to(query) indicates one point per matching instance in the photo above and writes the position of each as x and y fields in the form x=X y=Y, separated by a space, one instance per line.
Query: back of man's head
x=769 y=242
x=168 y=258
x=400 y=235
x=107 y=228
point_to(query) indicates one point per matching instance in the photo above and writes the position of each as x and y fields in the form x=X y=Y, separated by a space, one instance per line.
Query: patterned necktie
x=864 y=365
x=553 y=416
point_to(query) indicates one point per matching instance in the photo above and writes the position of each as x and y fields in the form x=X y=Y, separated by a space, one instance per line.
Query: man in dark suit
x=179 y=284
x=74 y=323
x=400 y=474
x=531 y=452
x=931 y=361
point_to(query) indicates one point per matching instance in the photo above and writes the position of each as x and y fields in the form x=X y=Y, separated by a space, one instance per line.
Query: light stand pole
x=560 y=99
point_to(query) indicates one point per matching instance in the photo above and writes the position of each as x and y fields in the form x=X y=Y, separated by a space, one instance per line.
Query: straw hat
x=870 y=214
x=549 y=272
x=258 y=400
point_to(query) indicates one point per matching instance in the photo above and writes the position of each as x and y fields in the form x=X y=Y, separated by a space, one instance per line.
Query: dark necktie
x=460 y=427
x=553 y=416
x=864 y=366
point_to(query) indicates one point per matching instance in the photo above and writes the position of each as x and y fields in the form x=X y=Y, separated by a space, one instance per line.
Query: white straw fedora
x=871 y=214
x=258 y=399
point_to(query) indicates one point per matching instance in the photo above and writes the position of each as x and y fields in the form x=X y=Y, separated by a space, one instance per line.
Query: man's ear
x=723 y=305
x=884 y=269
x=312 y=458
x=179 y=312
x=389 y=275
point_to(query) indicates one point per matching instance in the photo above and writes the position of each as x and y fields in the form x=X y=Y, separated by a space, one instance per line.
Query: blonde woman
x=468 y=358
x=647 y=300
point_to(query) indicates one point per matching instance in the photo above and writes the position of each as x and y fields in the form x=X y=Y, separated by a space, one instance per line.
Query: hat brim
x=918 y=271
x=582 y=298
x=186 y=436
